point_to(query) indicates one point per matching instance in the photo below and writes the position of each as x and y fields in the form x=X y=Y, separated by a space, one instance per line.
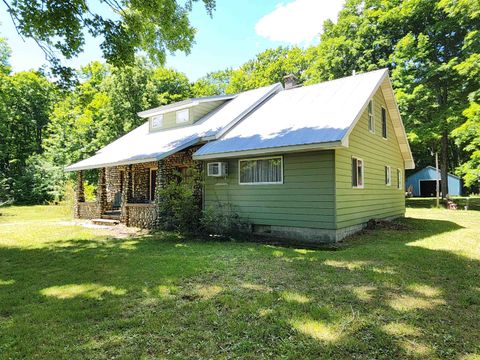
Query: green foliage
x=127 y=27
x=90 y=191
x=4 y=57
x=178 y=203
x=267 y=68
x=222 y=220
x=26 y=100
x=214 y=83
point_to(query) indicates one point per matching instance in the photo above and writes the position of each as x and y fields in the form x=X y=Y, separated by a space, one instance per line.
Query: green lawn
x=71 y=292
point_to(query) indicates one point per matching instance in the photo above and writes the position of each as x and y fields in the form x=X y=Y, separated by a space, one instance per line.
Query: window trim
x=372 y=114
x=362 y=186
x=155 y=117
x=386 y=123
x=262 y=183
x=388 y=175
x=187 y=110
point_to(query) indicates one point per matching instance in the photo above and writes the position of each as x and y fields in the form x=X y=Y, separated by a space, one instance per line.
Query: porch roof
x=140 y=145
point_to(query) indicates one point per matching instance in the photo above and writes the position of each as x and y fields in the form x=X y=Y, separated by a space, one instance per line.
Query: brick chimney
x=290 y=81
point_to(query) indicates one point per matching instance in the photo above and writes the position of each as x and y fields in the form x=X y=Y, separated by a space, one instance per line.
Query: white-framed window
x=265 y=170
x=388 y=175
x=399 y=179
x=157 y=121
x=358 y=175
x=371 y=117
x=384 y=122
x=182 y=116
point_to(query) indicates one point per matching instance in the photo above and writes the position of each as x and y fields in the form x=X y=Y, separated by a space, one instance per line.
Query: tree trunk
x=444 y=164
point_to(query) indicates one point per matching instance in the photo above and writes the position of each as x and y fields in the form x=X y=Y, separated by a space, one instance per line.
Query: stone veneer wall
x=141 y=215
x=87 y=210
x=167 y=170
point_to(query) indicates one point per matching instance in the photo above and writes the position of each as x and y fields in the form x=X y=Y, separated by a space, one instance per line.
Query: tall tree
x=25 y=103
x=127 y=26
x=268 y=68
x=422 y=42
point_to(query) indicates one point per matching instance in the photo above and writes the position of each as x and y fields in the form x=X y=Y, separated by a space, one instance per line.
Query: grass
x=473 y=202
x=71 y=292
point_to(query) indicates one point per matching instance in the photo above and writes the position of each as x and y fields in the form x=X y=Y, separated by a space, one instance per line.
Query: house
x=313 y=163
x=423 y=183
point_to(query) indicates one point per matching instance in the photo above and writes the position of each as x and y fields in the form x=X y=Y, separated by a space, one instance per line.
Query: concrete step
x=105 y=222
x=111 y=216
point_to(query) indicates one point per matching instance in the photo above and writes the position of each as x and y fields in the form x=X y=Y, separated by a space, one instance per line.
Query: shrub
x=178 y=204
x=222 y=220
x=90 y=191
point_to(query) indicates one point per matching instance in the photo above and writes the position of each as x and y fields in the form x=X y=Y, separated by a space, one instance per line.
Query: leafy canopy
x=154 y=27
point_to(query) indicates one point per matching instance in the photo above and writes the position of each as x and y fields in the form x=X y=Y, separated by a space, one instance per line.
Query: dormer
x=182 y=113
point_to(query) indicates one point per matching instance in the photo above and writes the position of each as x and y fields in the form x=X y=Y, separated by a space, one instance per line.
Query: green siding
x=195 y=113
x=305 y=199
x=375 y=200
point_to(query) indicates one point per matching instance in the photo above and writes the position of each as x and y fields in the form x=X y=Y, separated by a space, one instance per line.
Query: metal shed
x=423 y=183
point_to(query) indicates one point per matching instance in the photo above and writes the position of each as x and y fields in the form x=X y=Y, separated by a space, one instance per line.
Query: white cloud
x=298 y=22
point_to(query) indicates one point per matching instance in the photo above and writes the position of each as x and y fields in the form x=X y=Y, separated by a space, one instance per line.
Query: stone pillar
x=127 y=192
x=79 y=194
x=101 y=192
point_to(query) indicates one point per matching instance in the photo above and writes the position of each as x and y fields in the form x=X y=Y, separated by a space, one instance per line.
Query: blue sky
x=237 y=31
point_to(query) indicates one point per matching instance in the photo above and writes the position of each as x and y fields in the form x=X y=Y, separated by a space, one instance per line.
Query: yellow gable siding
x=195 y=114
x=376 y=200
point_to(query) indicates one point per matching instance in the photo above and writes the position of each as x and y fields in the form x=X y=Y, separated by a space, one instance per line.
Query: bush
x=90 y=191
x=222 y=220
x=178 y=204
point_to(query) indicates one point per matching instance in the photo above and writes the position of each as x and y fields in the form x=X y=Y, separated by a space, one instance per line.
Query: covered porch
x=128 y=193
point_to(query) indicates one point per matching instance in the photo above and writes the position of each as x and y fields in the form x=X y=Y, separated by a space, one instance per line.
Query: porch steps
x=112 y=215
x=105 y=222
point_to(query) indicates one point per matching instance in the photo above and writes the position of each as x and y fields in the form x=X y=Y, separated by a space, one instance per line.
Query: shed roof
x=140 y=145
x=429 y=167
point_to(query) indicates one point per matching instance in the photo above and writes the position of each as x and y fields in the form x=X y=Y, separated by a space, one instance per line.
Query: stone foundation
x=87 y=210
x=141 y=215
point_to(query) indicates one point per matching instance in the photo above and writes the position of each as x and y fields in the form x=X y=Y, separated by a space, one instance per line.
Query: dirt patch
x=375 y=224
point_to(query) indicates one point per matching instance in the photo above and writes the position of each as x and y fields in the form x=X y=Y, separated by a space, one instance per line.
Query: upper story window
x=157 y=121
x=371 y=118
x=261 y=171
x=357 y=173
x=388 y=176
x=384 y=123
x=182 y=116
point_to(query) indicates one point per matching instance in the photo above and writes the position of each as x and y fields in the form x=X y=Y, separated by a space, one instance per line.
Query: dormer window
x=182 y=116
x=157 y=121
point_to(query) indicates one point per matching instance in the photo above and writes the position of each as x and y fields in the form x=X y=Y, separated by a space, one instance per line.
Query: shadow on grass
x=157 y=296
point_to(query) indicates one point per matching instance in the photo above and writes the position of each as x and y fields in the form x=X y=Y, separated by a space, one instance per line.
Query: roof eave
x=273 y=150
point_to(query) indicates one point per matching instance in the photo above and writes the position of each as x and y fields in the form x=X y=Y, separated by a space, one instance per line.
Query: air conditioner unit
x=217 y=169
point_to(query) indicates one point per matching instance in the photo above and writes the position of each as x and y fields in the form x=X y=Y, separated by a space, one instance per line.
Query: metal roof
x=140 y=145
x=320 y=115
x=183 y=104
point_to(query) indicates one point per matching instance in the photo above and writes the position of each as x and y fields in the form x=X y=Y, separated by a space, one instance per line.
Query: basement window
x=261 y=171
x=357 y=173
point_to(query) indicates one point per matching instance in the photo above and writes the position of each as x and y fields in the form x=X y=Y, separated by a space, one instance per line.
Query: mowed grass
x=71 y=292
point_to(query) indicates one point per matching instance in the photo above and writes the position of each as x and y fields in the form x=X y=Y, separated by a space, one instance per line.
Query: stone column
x=126 y=193
x=79 y=194
x=101 y=192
